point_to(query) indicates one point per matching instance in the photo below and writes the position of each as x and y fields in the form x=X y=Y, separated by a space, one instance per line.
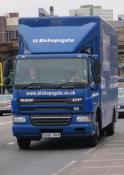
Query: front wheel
x=93 y=140
x=1 y=113
x=23 y=143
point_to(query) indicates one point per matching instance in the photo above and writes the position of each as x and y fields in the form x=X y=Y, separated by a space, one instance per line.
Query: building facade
x=90 y=10
x=119 y=25
x=8 y=49
x=42 y=12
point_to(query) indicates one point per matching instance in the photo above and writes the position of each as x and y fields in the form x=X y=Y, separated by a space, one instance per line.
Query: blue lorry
x=74 y=90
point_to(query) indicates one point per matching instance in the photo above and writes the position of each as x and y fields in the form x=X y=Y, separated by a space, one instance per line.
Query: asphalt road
x=56 y=157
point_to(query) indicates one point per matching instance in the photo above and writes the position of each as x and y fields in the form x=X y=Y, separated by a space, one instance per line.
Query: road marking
x=6 y=123
x=73 y=162
x=11 y=143
x=65 y=167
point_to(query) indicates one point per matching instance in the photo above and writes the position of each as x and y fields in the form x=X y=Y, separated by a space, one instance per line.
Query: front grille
x=51 y=105
x=50 y=101
x=50 y=120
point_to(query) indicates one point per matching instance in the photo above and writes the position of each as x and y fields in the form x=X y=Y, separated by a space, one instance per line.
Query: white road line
x=11 y=143
x=65 y=167
x=72 y=162
x=6 y=123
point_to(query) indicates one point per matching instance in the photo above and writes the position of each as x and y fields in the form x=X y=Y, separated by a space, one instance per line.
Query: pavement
x=106 y=159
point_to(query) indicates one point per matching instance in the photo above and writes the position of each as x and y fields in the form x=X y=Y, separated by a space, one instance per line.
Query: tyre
x=93 y=140
x=1 y=113
x=23 y=143
x=110 y=129
x=99 y=119
x=102 y=132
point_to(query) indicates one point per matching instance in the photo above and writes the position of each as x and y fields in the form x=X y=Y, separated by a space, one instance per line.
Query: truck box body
x=55 y=105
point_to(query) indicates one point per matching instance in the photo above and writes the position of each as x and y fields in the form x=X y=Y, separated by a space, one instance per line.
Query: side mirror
x=94 y=86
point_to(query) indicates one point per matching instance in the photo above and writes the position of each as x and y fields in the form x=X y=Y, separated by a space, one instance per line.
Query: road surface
x=56 y=157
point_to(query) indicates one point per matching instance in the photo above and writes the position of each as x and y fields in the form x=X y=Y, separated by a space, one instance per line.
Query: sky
x=28 y=8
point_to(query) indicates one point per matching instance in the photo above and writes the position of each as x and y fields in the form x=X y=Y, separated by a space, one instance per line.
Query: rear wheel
x=23 y=143
x=102 y=132
x=110 y=129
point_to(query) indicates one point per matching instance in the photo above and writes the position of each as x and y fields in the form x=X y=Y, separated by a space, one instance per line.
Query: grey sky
x=61 y=7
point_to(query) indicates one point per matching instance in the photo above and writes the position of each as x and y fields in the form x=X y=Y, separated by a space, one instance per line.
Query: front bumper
x=73 y=130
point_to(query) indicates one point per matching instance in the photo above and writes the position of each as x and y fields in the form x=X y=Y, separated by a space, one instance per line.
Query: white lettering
x=35 y=40
x=54 y=40
x=50 y=93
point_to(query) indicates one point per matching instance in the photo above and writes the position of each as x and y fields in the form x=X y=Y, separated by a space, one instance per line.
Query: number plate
x=51 y=135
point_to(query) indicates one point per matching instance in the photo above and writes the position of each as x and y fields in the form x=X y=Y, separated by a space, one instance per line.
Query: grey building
x=90 y=10
x=43 y=12
x=121 y=17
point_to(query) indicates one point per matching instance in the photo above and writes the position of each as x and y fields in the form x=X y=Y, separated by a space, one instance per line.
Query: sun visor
x=54 y=39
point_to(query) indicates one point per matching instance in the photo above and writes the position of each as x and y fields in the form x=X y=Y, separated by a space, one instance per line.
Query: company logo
x=50 y=93
x=53 y=40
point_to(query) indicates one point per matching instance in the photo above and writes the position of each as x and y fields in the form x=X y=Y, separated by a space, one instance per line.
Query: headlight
x=19 y=119
x=84 y=118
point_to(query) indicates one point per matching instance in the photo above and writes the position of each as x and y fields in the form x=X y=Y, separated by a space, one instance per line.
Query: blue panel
x=56 y=39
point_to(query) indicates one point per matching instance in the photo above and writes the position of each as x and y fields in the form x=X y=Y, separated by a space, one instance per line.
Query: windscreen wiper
x=65 y=85
x=35 y=85
x=68 y=85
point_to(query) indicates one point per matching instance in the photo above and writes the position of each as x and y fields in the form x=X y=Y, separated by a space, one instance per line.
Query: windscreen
x=59 y=70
